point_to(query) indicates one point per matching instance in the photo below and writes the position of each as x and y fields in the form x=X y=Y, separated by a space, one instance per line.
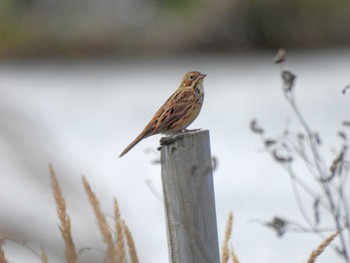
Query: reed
x=226 y=252
x=120 y=240
x=101 y=222
x=318 y=251
x=64 y=220
x=131 y=244
x=2 y=255
x=44 y=258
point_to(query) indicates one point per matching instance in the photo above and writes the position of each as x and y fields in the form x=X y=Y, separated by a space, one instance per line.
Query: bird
x=178 y=112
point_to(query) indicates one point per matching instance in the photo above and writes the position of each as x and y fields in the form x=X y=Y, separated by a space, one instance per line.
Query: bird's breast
x=199 y=90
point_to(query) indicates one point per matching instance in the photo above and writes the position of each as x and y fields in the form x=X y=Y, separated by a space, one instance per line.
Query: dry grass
x=318 y=251
x=64 y=226
x=131 y=244
x=118 y=225
x=227 y=252
x=44 y=258
x=117 y=244
x=101 y=222
x=233 y=256
x=2 y=255
x=115 y=250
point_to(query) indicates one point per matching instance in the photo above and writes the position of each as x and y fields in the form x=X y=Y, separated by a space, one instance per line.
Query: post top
x=178 y=136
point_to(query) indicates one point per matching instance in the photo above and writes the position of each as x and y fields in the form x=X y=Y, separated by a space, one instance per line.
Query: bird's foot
x=192 y=130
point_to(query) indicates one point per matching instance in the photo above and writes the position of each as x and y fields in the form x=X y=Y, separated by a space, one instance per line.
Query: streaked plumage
x=178 y=112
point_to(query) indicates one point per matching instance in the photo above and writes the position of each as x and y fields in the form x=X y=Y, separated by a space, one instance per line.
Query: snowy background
x=79 y=116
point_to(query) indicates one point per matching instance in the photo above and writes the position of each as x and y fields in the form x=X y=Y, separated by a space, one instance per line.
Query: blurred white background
x=79 y=116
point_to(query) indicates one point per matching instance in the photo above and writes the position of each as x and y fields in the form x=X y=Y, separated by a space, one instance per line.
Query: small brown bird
x=178 y=112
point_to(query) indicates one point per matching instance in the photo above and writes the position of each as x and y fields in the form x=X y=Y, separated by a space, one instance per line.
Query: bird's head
x=191 y=78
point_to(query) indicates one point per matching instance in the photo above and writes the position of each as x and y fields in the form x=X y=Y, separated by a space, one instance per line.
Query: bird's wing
x=168 y=116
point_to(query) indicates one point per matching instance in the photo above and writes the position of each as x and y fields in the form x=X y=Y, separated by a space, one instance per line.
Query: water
x=79 y=116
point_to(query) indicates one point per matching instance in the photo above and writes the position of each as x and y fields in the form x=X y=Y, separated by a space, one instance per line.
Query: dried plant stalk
x=131 y=245
x=2 y=256
x=318 y=251
x=233 y=256
x=44 y=258
x=225 y=253
x=64 y=226
x=119 y=234
x=304 y=145
x=101 y=221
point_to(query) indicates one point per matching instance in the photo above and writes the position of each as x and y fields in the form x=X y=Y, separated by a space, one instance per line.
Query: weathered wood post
x=189 y=198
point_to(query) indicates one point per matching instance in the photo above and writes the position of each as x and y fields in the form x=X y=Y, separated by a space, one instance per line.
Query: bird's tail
x=133 y=143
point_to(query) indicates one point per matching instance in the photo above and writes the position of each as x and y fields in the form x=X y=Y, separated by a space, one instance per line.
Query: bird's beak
x=202 y=76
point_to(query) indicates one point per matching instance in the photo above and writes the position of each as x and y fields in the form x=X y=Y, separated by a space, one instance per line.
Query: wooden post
x=189 y=198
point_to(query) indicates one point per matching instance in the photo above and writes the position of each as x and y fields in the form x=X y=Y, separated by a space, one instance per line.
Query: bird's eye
x=191 y=77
